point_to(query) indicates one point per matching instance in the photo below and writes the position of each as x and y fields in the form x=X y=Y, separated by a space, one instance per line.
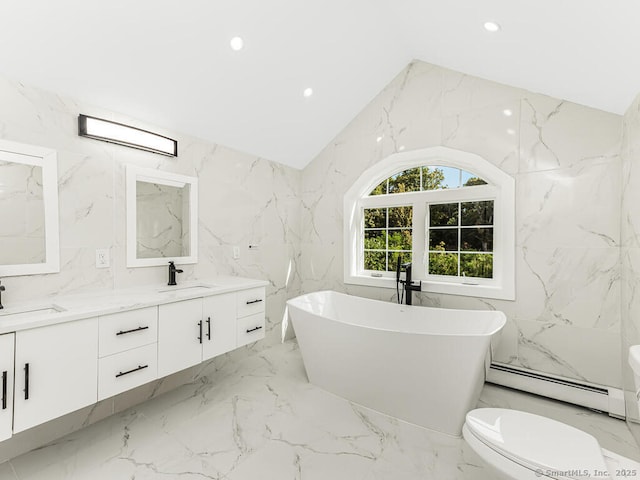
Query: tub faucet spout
x=408 y=285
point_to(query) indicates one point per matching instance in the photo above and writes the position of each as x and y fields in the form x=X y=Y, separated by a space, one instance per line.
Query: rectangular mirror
x=162 y=217
x=29 y=240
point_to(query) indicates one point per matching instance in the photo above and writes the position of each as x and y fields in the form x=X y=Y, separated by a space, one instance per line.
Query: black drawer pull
x=26 y=381
x=249 y=302
x=124 y=332
x=140 y=367
x=200 y=327
x=254 y=329
x=208 y=328
x=4 y=390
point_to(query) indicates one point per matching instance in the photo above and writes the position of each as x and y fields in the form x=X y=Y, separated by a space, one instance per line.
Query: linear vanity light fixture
x=112 y=132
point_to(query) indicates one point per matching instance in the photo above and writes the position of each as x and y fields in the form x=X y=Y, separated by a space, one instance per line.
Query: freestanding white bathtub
x=419 y=364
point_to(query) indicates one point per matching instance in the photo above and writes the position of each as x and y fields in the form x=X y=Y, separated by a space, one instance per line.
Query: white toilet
x=521 y=446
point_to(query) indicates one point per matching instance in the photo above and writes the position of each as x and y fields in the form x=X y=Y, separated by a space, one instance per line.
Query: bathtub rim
x=501 y=317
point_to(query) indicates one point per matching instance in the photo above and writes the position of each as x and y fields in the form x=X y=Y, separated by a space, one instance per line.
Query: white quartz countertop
x=66 y=308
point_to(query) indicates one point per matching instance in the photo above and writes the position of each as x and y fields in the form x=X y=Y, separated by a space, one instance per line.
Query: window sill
x=482 y=291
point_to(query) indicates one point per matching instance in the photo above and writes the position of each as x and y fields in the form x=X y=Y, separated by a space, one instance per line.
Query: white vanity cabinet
x=191 y=331
x=6 y=386
x=57 y=365
x=55 y=371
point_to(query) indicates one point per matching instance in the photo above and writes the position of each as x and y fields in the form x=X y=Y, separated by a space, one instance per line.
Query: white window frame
x=500 y=189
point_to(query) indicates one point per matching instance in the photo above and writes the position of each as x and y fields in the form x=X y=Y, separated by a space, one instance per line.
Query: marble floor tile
x=260 y=418
x=6 y=472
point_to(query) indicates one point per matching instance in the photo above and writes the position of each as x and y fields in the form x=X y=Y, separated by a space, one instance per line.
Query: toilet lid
x=539 y=443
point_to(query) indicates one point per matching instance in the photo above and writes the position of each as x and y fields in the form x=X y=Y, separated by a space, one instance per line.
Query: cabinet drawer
x=123 y=331
x=250 y=329
x=250 y=301
x=126 y=370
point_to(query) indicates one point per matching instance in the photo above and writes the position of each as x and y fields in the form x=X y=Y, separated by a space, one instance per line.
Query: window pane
x=380 y=189
x=476 y=239
x=432 y=178
x=375 y=261
x=451 y=177
x=443 y=239
x=477 y=213
x=400 y=216
x=478 y=265
x=443 y=263
x=400 y=240
x=407 y=181
x=443 y=215
x=405 y=257
x=375 y=217
x=469 y=180
x=375 y=239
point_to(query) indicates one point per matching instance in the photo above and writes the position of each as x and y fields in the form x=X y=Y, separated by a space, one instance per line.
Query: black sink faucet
x=2 y=289
x=172 y=273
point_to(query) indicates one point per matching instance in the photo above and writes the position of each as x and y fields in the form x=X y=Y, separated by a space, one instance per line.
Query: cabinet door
x=220 y=325
x=56 y=371
x=180 y=336
x=6 y=385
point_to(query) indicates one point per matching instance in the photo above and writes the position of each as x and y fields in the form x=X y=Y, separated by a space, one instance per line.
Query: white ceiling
x=169 y=62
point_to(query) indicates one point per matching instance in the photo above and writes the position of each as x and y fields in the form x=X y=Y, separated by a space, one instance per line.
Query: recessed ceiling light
x=379 y=139
x=491 y=26
x=507 y=112
x=236 y=43
x=308 y=92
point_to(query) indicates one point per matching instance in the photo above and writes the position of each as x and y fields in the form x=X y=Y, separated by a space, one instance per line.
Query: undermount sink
x=188 y=288
x=19 y=313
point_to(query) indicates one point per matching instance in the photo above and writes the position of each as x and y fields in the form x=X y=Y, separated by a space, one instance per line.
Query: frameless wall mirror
x=29 y=240
x=162 y=217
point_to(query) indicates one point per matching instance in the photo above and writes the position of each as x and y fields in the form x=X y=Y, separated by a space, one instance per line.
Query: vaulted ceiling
x=169 y=63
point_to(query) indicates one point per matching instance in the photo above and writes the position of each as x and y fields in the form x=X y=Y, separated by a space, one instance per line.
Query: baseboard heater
x=597 y=397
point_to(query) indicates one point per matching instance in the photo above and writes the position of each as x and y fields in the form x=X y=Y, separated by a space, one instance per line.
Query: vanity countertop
x=66 y=308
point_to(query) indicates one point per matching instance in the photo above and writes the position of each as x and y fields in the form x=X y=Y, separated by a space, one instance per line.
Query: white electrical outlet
x=236 y=252
x=102 y=258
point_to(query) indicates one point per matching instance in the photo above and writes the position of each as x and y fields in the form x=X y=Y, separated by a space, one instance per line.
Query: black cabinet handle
x=200 y=327
x=254 y=329
x=26 y=381
x=124 y=332
x=249 y=302
x=139 y=367
x=4 y=390
x=208 y=328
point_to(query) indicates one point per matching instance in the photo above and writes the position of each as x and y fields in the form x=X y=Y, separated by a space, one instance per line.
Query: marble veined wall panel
x=630 y=259
x=565 y=159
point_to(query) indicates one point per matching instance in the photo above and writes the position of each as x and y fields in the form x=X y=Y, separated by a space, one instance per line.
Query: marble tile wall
x=566 y=162
x=243 y=200
x=630 y=257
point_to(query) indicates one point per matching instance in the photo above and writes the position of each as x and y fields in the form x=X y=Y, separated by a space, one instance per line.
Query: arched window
x=450 y=213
